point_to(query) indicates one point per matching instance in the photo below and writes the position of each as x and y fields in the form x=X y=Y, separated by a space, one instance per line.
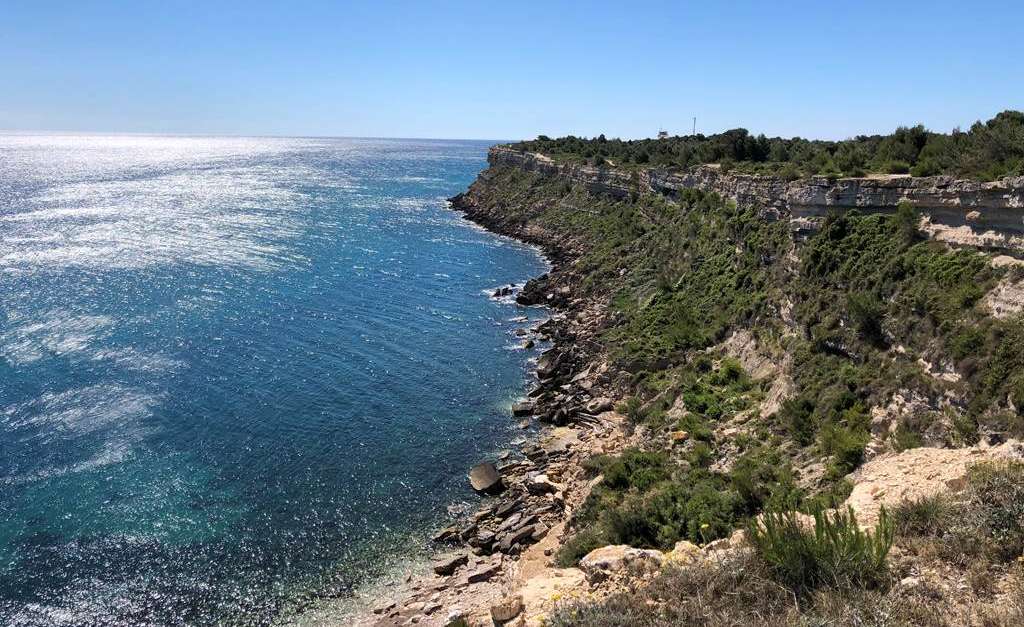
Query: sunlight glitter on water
x=237 y=373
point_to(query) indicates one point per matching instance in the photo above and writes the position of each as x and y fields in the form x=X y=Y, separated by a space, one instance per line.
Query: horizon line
x=11 y=132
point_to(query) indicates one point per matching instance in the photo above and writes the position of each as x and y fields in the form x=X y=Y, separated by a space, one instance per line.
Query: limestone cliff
x=993 y=213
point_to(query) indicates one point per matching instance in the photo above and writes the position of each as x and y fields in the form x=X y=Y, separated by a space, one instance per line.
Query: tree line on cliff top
x=987 y=151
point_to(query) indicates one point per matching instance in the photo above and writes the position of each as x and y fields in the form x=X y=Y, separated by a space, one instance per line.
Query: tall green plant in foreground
x=836 y=553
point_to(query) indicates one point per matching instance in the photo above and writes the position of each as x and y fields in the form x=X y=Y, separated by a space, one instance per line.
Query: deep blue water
x=237 y=372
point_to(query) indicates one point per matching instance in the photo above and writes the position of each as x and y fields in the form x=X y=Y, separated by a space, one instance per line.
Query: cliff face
x=993 y=212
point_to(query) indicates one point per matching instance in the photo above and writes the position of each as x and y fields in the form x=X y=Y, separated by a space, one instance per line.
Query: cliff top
x=987 y=151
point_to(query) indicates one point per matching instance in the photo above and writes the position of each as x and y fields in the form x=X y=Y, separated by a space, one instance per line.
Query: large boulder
x=523 y=408
x=600 y=563
x=548 y=364
x=450 y=564
x=485 y=478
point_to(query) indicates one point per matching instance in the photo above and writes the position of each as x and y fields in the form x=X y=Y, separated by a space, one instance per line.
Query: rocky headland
x=600 y=392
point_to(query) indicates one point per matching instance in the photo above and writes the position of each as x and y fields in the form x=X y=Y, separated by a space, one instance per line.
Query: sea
x=239 y=376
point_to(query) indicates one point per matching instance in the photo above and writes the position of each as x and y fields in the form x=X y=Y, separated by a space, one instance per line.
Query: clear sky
x=506 y=70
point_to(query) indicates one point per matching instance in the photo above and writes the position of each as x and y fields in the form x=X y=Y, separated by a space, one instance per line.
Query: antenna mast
x=695 y=125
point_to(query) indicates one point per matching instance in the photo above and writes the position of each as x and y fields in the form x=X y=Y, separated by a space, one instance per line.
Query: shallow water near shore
x=237 y=374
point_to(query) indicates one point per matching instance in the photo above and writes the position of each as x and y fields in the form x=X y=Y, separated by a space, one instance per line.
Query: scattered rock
x=450 y=565
x=524 y=408
x=456 y=618
x=485 y=478
x=430 y=609
x=513 y=538
x=678 y=437
x=384 y=609
x=447 y=534
x=483 y=573
x=507 y=610
x=540 y=484
x=548 y=364
x=600 y=405
x=508 y=508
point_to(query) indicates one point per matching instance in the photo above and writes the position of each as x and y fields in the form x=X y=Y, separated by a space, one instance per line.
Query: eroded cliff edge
x=984 y=214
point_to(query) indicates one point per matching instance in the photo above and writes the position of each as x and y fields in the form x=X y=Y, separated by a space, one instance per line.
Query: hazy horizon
x=754 y=131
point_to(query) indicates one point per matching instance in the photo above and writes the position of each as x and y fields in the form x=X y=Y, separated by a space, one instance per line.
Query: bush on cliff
x=834 y=553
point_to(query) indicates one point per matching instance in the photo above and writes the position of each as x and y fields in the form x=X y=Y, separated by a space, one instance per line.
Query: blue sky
x=506 y=70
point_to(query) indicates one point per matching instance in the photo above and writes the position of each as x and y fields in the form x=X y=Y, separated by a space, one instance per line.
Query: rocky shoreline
x=481 y=558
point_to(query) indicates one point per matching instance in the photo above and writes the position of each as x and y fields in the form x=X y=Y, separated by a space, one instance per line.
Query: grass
x=982 y=523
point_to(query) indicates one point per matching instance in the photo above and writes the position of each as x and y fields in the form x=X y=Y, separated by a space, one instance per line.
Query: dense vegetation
x=987 y=151
x=866 y=300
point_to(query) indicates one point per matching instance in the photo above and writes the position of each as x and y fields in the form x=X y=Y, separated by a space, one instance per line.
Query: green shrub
x=866 y=313
x=728 y=373
x=926 y=167
x=696 y=427
x=797 y=414
x=988 y=150
x=925 y=516
x=789 y=172
x=635 y=469
x=904 y=438
x=630 y=408
x=836 y=553
x=846 y=446
x=831 y=497
x=896 y=167
x=576 y=548
x=907 y=221
x=763 y=479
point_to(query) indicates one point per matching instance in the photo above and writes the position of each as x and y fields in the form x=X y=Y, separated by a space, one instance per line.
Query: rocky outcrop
x=890 y=479
x=600 y=563
x=996 y=207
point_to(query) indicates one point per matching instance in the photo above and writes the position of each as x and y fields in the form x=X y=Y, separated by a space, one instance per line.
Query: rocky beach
x=495 y=564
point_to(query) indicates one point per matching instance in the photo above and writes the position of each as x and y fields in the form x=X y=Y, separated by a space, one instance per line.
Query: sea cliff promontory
x=771 y=400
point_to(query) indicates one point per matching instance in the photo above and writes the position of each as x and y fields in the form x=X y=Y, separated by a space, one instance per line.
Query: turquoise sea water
x=238 y=372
